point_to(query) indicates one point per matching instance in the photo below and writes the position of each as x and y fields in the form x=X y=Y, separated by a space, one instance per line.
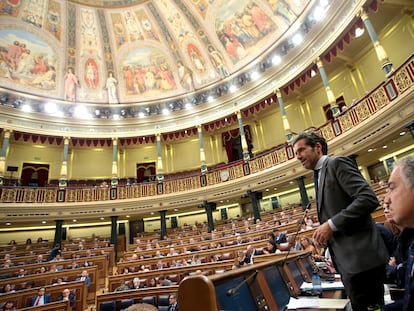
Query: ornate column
x=302 y=191
x=160 y=169
x=163 y=224
x=4 y=147
x=246 y=155
x=58 y=232
x=255 y=197
x=202 y=153
x=209 y=208
x=381 y=54
x=114 y=235
x=286 y=125
x=114 y=178
x=63 y=180
x=329 y=93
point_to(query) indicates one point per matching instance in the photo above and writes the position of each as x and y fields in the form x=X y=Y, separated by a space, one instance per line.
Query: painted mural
x=147 y=72
x=27 y=59
x=154 y=49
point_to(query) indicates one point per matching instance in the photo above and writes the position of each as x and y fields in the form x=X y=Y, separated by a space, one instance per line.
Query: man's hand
x=321 y=235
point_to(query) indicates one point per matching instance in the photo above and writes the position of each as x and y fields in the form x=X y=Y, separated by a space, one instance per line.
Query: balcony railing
x=381 y=96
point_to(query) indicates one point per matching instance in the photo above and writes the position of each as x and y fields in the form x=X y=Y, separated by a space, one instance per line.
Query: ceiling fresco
x=135 y=51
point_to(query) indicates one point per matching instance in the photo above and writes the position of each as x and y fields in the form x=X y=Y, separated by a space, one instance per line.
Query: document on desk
x=317 y=303
x=325 y=286
x=303 y=302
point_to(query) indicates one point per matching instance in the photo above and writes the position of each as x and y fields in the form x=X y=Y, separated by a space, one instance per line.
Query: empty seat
x=108 y=306
x=163 y=300
x=125 y=303
x=149 y=300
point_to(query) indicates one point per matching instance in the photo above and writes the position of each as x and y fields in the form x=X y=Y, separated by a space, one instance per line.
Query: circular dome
x=131 y=59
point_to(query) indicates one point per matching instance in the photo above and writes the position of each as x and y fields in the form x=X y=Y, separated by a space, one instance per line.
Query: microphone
x=307 y=208
x=234 y=290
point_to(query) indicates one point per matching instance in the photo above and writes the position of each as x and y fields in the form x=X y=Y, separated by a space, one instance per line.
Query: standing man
x=345 y=202
x=400 y=199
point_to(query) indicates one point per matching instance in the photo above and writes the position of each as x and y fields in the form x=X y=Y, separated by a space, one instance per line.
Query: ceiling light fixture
x=26 y=108
x=359 y=31
x=297 y=39
x=276 y=60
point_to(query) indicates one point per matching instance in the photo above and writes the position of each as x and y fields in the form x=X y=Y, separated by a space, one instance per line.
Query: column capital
x=7 y=132
x=66 y=140
x=363 y=14
x=199 y=128
x=115 y=140
x=318 y=62
x=238 y=113
x=277 y=93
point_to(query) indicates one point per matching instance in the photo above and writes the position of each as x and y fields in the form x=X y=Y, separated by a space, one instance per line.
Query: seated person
x=279 y=237
x=122 y=287
x=41 y=298
x=270 y=247
x=84 y=277
x=307 y=245
x=8 y=306
x=67 y=296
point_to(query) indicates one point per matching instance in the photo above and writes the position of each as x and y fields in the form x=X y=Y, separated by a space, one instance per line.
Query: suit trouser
x=365 y=288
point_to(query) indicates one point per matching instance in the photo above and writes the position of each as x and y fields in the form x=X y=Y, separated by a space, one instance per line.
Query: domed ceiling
x=153 y=49
x=150 y=56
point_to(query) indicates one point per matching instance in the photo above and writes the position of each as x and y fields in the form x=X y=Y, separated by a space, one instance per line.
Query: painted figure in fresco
x=166 y=79
x=71 y=82
x=282 y=8
x=129 y=79
x=234 y=48
x=148 y=28
x=90 y=75
x=111 y=84
x=197 y=60
x=218 y=61
x=186 y=76
x=46 y=80
x=40 y=64
x=14 y=52
x=261 y=20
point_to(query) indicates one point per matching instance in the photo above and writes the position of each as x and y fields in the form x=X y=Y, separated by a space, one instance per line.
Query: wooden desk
x=31 y=269
x=46 y=279
x=53 y=306
x=22 y=298
x=136 y=294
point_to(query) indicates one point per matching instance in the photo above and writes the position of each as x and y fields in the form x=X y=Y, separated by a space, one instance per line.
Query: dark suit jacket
x=170 y=308
x=46 y=299
x=71 y=299
x=346 y=198
x=87 y=280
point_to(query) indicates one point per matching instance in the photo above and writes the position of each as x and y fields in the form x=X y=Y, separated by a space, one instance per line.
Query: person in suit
x=280 y=237
x=400 y=198
x=84 y=277
x=345 y=202
x=41 y=298
x=67 y=296
x=247 y=257
x=173 y=303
